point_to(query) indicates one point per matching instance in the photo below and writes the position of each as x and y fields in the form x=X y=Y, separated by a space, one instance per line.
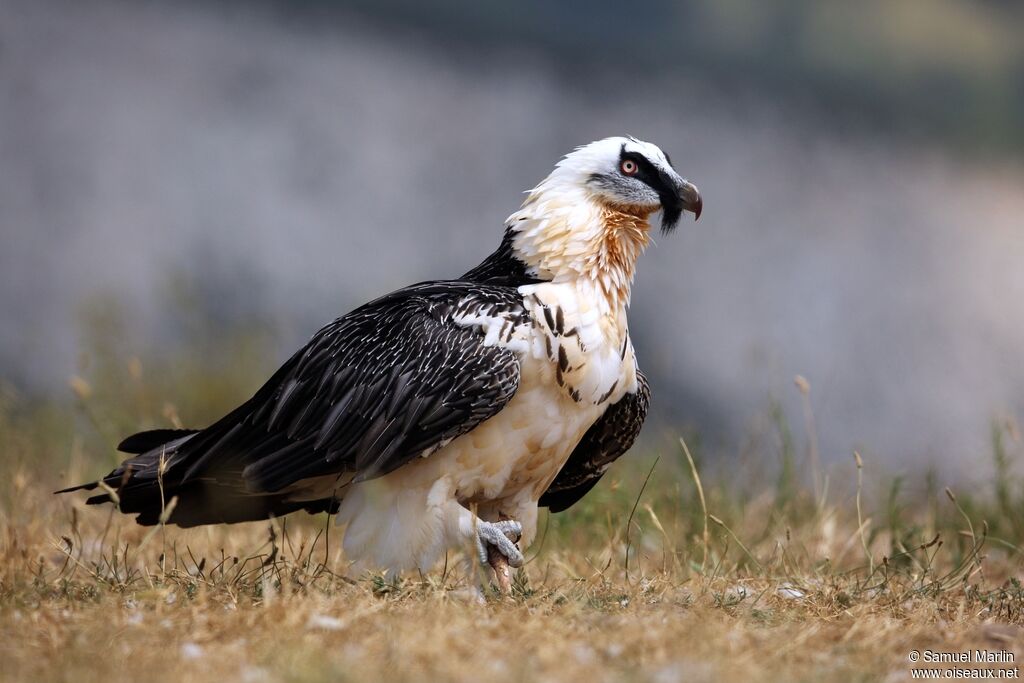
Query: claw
x=497 y=534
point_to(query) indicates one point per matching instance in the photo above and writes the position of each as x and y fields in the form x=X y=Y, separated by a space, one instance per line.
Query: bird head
x=589 y=217
x=633 y=176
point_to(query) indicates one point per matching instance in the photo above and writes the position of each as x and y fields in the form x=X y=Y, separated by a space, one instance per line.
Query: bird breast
x=585 y=343
x=579 y=340
x=576 y=358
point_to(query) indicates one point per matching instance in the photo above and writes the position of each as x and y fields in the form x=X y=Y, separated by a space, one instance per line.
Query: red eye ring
x=629 y=167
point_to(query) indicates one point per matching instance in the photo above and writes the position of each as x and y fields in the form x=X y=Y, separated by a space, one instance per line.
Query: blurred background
x=189 y=190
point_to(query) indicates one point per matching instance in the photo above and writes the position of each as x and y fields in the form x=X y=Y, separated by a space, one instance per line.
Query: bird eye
x=629 y=167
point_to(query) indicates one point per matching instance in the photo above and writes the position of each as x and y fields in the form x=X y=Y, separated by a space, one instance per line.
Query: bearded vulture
x=446 y=412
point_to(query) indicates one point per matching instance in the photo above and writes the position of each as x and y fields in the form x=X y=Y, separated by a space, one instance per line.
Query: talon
x=511 y=528
x=497 y=534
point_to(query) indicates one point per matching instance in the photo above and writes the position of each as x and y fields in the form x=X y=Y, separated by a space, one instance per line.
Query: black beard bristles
x=670 y=216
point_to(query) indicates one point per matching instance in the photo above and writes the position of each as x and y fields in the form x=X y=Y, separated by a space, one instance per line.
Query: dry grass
x=657 y=576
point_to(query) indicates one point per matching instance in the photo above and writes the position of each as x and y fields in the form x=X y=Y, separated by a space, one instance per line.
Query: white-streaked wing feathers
x=391 y=381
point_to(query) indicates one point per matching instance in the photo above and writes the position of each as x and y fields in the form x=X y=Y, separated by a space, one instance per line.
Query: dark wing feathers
x=384 y=384
x=393 y=380
x=411 y=379
x=607 y=439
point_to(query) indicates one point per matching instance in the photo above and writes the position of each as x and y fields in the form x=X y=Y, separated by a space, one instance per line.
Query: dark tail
x=145 y=485
x=148 y=447
x=153 y=439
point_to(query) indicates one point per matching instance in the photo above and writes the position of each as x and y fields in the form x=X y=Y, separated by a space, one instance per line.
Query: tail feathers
x=163 y=466
x=81 y=487
x=149 y=450
x=152 y=439
x=202 y=502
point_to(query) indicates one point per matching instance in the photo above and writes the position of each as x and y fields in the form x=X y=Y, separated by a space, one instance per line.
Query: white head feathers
x=588 y=218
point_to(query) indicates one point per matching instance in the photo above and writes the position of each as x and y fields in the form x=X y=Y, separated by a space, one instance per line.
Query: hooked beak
x=690 y=197
x=683 y=196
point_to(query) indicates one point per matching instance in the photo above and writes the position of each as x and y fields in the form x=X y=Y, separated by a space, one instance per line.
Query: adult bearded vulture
x=450 y=410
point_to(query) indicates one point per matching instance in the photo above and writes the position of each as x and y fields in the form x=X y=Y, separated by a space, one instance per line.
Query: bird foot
x=501 y=536
x=496 y=544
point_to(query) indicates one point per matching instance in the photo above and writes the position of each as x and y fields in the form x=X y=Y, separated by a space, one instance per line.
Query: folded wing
x=391 y=381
